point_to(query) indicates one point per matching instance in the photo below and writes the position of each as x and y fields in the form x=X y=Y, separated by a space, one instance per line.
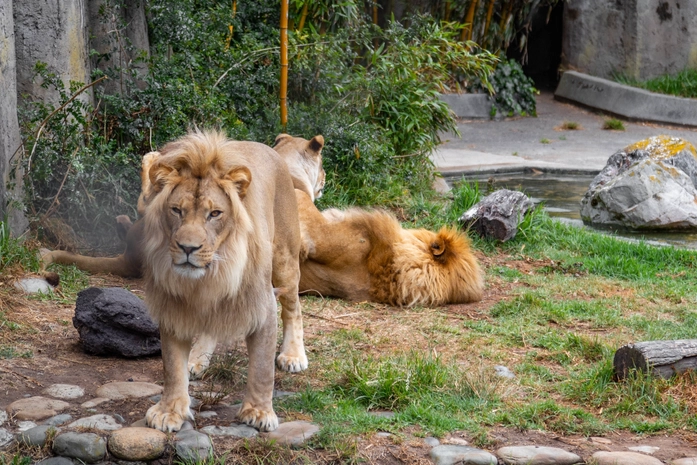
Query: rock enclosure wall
x=640 y=38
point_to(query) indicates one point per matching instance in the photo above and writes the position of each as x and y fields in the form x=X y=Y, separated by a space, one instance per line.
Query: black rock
x=498 y=215
x=114 y=321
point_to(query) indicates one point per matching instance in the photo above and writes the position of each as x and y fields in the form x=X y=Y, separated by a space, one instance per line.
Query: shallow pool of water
x=561 y=196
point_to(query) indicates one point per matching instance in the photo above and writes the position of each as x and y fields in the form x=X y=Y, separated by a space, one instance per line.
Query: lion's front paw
x=168 y=419
x=292 y=363
x=263 y=420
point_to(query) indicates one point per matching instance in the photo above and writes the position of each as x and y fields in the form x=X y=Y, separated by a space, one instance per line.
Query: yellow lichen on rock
x=662 y=147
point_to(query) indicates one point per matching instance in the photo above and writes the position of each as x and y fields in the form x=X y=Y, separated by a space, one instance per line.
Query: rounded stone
x=685 y=461
x=624 y=458
x=190 y=445
x=36 y=408
x=56 y=461
x=645 y=449
x=37 y=436
x=3 y=417
x=25 y=425
x=64 y=391
x=293 y=433
x=238 y=431
x=88 y=447
x=100 y=422
x=137 y=444
x=125 y=390
x=536 y=455
x=59 y=419
x=449 y=455
x=431 y=442
x=94 y=402
x=5 y=437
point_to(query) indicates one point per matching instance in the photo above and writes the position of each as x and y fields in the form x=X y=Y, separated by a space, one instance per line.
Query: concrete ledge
x=626 y=101
x=469 y=105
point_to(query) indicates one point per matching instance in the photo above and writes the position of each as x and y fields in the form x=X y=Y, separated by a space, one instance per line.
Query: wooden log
x=662 y=358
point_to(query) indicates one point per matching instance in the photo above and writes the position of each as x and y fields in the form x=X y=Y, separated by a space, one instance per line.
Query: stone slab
x=629 y=102
x=469 y=105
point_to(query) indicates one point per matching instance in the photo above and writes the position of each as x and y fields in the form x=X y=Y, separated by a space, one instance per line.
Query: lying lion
x=365 y=255
x=220 y=230
x=355 y=254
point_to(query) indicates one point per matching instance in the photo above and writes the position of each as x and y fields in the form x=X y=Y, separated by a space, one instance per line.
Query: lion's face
x=198 y=225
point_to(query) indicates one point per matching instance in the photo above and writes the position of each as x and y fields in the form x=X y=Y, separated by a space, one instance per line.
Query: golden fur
x=366 y=255
x=220 y=229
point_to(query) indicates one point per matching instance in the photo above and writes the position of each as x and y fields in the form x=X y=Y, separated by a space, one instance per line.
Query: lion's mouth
x=190 y=270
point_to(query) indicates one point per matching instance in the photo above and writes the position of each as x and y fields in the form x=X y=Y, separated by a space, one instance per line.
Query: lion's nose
x=188 y=249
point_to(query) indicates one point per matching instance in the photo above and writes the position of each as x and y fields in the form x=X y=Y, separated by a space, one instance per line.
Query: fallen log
x=662 y=358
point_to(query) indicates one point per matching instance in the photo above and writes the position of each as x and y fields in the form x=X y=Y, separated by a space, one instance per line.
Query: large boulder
x=115 y=322
x=498 y=215
x=649 y=185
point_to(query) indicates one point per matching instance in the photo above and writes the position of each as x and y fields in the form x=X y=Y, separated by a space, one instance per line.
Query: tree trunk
x=662 y=358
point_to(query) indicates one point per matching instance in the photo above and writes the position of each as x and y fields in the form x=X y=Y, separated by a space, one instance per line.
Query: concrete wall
x=640 y=38
x=9 y=127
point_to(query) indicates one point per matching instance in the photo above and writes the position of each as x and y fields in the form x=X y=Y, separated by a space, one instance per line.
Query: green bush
x=514 y=92
x=378 y=109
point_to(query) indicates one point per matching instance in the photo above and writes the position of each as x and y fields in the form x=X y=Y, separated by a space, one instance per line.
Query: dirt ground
x=47 y=332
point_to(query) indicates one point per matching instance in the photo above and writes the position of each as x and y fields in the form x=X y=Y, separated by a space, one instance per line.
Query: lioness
x=220 y=227
x=364 y=255
x=304 y=160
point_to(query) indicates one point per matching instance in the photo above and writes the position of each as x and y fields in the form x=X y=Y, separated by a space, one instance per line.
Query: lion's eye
x=176 y=211
x=215 y=214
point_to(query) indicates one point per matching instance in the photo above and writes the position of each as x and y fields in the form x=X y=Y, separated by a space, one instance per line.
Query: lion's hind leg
x=173 y=408
x=292 y=357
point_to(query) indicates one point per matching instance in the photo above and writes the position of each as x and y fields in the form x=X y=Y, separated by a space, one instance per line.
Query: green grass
x=613 y=124
x=682 y=84
x=545 y=141
x=570 y=126
x=14 y=252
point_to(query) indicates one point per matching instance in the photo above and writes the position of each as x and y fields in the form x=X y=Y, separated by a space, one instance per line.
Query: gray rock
x=647 y=186
x=466 y=455
x=190 y=445
x=124 y=390
x=58 y=419
x=37 y=435
x=101 y=422
x=34 y=286
x=3 y=417
x=624 y=458
x=88 y=447
x=136 y=444
x=431 y=442
x=498 y=215
x=503 y=372
x=238 y=431
x=115 y=322
x=536 y=455
x=293 y=433
x=64 y=391
x=383 y=434
x=56 y=461
x=382 y=414
x=25 y=425
x=207 y=414
x=5 y=437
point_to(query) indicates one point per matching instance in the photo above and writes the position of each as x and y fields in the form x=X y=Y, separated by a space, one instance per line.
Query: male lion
x=366 y=255
x=304 y=161
x=221 y=226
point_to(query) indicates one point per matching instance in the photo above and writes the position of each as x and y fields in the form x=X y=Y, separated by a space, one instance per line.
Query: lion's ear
x=280 y=137
x=317 y=143
x=158 y=174
x=241 y=177
x=438 y=247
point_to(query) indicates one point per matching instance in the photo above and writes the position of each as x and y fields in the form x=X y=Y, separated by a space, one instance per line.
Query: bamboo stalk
x=447 y=10
x=375 y=21
x=470 y=18
x=489 y=15
x=284 y=62
x=303 y=16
